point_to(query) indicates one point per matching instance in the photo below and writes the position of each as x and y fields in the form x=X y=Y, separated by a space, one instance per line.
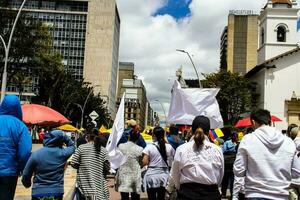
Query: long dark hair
x=159 y=133
x=98 y=140
x=133 y=136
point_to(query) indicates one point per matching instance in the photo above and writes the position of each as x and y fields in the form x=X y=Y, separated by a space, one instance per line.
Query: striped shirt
x=90 y=178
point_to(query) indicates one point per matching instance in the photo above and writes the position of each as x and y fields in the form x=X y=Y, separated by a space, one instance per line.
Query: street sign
x=93 y=115
x=95 y=123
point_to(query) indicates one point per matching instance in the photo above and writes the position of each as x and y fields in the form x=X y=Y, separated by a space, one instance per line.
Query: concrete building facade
x=277 y=75
x=277 y=28
x=238 y=46
x=137 y=106
x=86 y=33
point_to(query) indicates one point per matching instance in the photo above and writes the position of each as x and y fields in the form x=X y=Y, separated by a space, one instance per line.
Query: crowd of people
x=263 y=165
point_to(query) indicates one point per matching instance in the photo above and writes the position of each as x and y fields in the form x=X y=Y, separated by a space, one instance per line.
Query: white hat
x=131 y=122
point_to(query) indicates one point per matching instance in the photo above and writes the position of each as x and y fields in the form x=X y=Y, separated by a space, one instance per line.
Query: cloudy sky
x=152 y=30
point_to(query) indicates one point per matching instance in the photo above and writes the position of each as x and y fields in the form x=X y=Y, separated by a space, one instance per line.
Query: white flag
x=116 y=158
x=188 y=103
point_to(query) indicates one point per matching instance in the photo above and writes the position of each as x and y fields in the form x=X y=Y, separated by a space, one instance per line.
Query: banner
x=116 y=158
x=188 y=103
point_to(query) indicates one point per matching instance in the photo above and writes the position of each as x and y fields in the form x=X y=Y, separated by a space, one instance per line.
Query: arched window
x=262 y=36
x=281 y=34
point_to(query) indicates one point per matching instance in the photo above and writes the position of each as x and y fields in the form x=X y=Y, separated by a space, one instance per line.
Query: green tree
x=237 y=94
x=71 y=94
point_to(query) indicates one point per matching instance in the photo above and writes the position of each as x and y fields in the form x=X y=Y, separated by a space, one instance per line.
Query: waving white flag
x=188 y=103
x=116 y=158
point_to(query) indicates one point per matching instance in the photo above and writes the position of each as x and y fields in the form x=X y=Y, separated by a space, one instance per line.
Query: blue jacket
x=141 y=142
x=175 y=141
x=15 y=139
x=229 y=147
x=48 y=164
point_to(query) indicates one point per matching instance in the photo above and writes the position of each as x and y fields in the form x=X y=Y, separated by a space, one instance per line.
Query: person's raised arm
x=70 y=149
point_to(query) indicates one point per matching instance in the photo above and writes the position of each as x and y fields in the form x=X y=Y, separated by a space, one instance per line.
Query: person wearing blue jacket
x=48 y=164
x=15 y=145
x=132 y=125
x=173 y=137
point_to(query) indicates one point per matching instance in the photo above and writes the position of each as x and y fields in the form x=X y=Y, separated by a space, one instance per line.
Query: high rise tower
x=238 y=48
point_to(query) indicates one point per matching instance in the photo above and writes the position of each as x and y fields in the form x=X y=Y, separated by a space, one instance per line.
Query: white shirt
x=205 y=166
x=155 y=159
x=238 y=187
x=267 y=159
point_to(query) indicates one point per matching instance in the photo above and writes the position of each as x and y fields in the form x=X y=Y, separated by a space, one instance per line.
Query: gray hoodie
x=267 y=159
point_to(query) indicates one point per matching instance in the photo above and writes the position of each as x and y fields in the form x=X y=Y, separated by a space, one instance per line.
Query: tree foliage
x=237 y=94
x=22 y=45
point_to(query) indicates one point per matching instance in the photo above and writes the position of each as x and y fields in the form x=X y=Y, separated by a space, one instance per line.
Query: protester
x=267 y=159
x=81 y=140
x=289 y=129
x=42 y=135
x=173 y=137
x=198 y=166
x=47 y=166
x=91 y=160
x=158 y=156
x=15 y=145
x=132 y=125
x=128 y=177
x=229 y=149
x=294 y=190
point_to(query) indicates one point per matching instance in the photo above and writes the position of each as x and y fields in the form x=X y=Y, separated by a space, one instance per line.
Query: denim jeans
x=8 y=187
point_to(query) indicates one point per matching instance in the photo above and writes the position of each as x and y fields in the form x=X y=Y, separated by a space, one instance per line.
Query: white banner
x=188 y=103
x=116 y=158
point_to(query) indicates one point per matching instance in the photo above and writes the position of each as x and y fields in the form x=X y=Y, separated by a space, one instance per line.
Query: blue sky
x=176 y=8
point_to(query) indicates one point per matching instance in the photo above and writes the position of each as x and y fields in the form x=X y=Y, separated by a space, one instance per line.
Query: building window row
x=52 y=5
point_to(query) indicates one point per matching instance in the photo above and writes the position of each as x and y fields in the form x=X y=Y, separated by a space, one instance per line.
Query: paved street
x=70 y=175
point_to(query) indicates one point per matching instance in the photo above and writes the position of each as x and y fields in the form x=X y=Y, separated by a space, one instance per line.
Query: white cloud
x=150 y=42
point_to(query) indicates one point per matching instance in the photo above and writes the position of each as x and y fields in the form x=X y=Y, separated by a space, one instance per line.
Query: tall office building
x=238 y=47
x=86 y=33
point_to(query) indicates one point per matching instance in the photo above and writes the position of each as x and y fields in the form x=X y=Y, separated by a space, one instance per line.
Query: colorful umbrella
x=42 y=115
x=247 y=122
x=69 y=127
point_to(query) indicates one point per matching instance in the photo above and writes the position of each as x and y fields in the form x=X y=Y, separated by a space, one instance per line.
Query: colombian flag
x=215 y=133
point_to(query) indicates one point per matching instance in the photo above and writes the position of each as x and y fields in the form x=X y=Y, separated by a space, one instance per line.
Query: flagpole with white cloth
x=116 y=157
x=187 y=103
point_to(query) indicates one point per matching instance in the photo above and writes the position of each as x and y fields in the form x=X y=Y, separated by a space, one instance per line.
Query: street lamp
x=162 y=108
x=81 y=121
x=183 y=51
x=83 y=107
x=6 y=49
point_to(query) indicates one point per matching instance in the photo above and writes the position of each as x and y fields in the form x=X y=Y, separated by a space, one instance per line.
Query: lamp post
x=81 y=121
x=162 y=109
x=83 y=107
x=6 y=49
x=183 y=51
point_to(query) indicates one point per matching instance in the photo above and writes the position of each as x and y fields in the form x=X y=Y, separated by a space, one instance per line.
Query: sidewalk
x=23 y=193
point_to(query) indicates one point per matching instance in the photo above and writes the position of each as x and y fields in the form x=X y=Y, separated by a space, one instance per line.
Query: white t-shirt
x=155 y=159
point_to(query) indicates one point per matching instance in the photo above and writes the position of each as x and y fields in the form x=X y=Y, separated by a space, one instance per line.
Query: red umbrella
x=243 y=123
x=247 y=122
x=42 y=115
